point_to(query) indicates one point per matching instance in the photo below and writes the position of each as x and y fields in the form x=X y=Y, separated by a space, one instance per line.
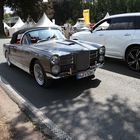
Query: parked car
x=120 y=34
x=47 y=54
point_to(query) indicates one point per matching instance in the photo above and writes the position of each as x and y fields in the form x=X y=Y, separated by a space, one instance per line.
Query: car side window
x=137 y=22
x=18 y=38
x=25 y=40
x=122 y=23
x=103 y=25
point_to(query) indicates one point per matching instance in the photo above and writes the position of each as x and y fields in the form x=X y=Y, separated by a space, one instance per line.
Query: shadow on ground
x=61 y=90
x=120 y=67
x=72 y=106
x=87 y=119
x=22 y=129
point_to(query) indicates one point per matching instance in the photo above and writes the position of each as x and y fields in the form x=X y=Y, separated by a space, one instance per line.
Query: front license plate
x=84 y=74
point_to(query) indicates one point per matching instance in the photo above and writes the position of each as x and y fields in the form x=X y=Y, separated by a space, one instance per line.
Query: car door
x=118 y=35
x=15 y=50
x=25 y=53
x=15 y=53
x=98 y=35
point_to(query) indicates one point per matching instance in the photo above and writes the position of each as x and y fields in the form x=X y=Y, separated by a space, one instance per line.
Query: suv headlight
x=102 y=50
x=55 y=60
x=55 y=69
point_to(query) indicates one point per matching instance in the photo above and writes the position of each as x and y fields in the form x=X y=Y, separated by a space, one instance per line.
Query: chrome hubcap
x=133 y=59
x=38 y=73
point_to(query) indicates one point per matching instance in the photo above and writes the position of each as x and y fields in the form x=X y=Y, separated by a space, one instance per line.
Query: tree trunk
x=2 y=34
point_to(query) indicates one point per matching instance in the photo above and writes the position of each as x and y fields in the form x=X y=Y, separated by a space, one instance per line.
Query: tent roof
x=107 y=15
x=19 y=23
x=79 y=24
x=28 y=25
x=44 y=22
x=5 y=25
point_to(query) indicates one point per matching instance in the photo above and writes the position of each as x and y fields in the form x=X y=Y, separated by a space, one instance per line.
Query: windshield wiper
x=52 y=37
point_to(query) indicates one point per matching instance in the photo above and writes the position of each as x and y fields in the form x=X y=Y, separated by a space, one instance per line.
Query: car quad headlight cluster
x=102 y=50
x=55 y=69
x=55 y=60
x=101 y=58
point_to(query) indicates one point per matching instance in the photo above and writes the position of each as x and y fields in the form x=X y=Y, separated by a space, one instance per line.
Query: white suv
x=120 y=34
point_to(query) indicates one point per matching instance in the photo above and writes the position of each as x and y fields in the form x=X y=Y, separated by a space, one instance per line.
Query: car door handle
x=127 y=35
x=101 y=34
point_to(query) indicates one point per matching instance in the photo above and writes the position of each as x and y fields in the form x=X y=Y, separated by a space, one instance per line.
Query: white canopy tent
x=28 y=25
x=45 y=22
x=6 y=29
x=16 y=27
x=80 y=23
x=6 y=26
x=107 y=15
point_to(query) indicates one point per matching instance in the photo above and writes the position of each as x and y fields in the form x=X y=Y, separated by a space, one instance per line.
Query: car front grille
x=67 y=62
x=82 y=60
x=93 y=57
x=78 y=61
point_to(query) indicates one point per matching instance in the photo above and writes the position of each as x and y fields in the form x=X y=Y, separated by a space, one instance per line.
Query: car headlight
x=102 y=50
x=55 y=60
x=101 y=58
x=55 y=69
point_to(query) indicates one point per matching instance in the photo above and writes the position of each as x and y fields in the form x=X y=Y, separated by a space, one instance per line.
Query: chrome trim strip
x=51 y=76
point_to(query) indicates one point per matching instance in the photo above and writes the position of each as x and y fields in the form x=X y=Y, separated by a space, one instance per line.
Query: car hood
x=63 y=47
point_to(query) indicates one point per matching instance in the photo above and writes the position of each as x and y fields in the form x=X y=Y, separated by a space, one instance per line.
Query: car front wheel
x=40 y=76
x=133 y=58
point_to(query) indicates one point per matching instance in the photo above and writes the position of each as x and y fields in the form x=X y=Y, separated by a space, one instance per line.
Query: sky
x=7 y=10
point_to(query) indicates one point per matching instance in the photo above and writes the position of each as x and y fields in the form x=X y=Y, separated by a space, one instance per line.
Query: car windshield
x=41 y=35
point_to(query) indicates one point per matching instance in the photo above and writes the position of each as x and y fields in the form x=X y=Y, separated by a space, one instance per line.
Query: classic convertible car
x=46 y=54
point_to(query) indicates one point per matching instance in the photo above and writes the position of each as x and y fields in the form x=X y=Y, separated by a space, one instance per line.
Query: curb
x=39 y=119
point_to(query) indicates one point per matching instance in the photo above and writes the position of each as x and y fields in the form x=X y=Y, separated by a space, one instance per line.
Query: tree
x=67 y=9
x=1 y=18
x=49 y=9
x=32 y=8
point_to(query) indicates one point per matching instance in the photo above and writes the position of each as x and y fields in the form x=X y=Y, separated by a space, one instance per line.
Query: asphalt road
x=104 y=108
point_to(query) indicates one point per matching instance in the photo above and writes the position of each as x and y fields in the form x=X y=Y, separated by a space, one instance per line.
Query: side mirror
x=91 y=30
x=100 y=28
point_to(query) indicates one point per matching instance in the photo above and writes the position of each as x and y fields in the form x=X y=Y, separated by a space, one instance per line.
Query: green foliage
x=1 y=18
x=101 y=7
x=7 y=16
x=31 y=8
x=26 y=8
x=63 y=10
x=67 y=9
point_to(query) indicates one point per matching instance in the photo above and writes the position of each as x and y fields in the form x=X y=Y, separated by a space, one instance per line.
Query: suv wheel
x=133 y=58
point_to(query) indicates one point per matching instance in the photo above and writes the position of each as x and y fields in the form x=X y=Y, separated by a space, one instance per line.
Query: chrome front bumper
x=68 y=74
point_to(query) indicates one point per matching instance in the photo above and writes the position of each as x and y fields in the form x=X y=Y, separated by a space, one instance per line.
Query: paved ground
x=106 y=108
x=14 y=125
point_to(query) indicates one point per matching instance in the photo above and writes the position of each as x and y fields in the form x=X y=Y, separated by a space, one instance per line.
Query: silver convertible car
x=46 y=54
